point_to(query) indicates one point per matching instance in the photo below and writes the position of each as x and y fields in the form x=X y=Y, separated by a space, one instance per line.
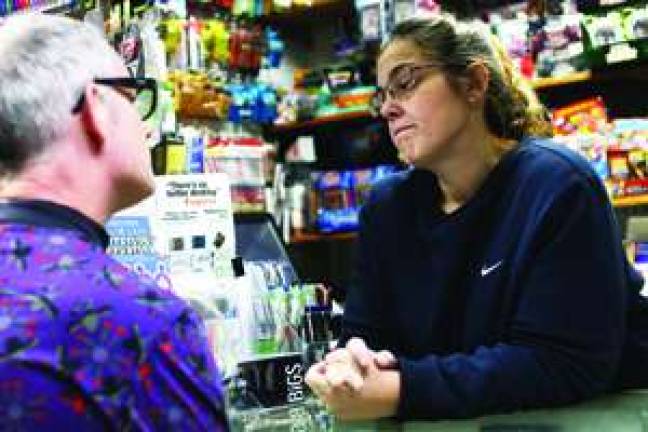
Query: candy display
x=617 y=150
x=337 y=196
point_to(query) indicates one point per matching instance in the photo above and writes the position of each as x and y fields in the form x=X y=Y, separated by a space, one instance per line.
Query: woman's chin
x=406 y=151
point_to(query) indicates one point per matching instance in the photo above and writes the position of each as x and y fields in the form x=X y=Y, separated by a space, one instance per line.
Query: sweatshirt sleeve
x=564 y=338
x=362 y=306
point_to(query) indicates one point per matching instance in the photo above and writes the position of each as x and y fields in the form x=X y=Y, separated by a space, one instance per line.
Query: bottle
x=317 y=333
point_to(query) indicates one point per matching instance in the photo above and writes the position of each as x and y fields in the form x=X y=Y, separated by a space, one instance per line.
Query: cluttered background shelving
x=276 y=93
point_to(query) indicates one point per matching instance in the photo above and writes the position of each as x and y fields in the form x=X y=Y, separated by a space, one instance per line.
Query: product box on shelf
x=245 y=160
x=616 y=35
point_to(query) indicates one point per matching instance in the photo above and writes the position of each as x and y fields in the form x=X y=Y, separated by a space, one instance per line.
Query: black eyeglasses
x=402 y=82
x=144 y=99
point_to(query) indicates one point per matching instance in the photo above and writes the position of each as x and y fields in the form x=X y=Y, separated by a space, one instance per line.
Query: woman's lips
x=401 y=129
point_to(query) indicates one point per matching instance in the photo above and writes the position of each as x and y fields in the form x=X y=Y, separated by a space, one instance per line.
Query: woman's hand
x=356 y=383
x=364 y=356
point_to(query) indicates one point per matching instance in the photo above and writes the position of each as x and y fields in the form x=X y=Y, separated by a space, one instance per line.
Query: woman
x=492 y=273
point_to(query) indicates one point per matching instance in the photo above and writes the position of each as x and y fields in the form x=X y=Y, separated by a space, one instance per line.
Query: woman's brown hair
x=512 y=109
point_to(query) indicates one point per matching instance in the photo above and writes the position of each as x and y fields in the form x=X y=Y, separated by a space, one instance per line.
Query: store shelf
x=319 y=121
x=630 y=201
x=310 y=237
x=299 y=14
x=542 y=83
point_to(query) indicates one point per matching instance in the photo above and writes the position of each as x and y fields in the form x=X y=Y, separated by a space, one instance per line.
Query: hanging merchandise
x=513 y=28
x=256 y=102
x=370 y=19
x=275 y=48
x=177 y=8
x=246 y=48
x=166 y=111
x=129 y=46
x=559 y=50
x=194 y=43
x=172 y=32
x=198 y=96
x=153 y=47
x=244 y=7
x=635 y=22
x=215 y=37
x=604 y=29
x=615 y=35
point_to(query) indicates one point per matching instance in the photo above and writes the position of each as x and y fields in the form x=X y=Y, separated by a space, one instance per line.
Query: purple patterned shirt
x=86 y=345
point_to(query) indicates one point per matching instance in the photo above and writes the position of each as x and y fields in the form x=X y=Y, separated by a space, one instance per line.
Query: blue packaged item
x=196 y=157
x=329 y=221
x=275 y=48
x=336 y=211
x=236 y=105
x=268 y=105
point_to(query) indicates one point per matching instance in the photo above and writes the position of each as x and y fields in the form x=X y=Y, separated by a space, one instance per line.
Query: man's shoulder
x=75 y=276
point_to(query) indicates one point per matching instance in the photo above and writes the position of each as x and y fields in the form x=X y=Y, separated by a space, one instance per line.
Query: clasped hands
x=357 y=383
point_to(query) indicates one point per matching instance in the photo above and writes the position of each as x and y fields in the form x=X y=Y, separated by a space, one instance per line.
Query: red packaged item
x=628 y=172
x=587 y=117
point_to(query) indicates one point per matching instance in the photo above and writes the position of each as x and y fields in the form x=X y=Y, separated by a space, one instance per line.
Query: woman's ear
x=479 y=79
x=94 y=117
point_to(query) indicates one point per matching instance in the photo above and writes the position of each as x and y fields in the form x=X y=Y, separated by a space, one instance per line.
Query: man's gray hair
x=45 y=62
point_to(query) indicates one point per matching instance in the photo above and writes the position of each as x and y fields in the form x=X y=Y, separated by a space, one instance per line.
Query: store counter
x=624 y=412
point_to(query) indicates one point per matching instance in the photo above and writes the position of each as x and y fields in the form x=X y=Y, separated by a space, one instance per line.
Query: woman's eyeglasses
x=403 y=80
x=144 y=96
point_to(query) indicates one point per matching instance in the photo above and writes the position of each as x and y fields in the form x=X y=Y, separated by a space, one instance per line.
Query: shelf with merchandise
x=319 y=121
x=301 y=236
x=630 y=201
x=542 y=83
x=303 y=12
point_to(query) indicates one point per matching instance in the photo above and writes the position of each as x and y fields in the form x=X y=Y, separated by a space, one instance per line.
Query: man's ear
x=94 y=117
x=479 y=79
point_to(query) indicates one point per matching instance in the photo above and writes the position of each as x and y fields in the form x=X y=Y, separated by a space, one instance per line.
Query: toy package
x=618 y=35
x=587 y=116
x=513 y=33
x=558 y=47
x=605 y=29
x=635 y=22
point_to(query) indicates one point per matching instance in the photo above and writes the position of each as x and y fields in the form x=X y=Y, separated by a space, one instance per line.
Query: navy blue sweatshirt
x=521 y=298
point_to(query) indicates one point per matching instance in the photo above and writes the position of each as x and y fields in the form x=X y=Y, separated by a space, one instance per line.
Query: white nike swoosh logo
x=487 y=270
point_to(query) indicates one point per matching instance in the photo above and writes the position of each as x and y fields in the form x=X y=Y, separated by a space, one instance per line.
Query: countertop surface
x=622 y=412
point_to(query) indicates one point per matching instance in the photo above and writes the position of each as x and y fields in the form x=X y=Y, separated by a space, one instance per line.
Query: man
x=84 y=343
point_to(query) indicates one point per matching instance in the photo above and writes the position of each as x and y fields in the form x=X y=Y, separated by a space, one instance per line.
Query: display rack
x=319 y=121
x=542 y=83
